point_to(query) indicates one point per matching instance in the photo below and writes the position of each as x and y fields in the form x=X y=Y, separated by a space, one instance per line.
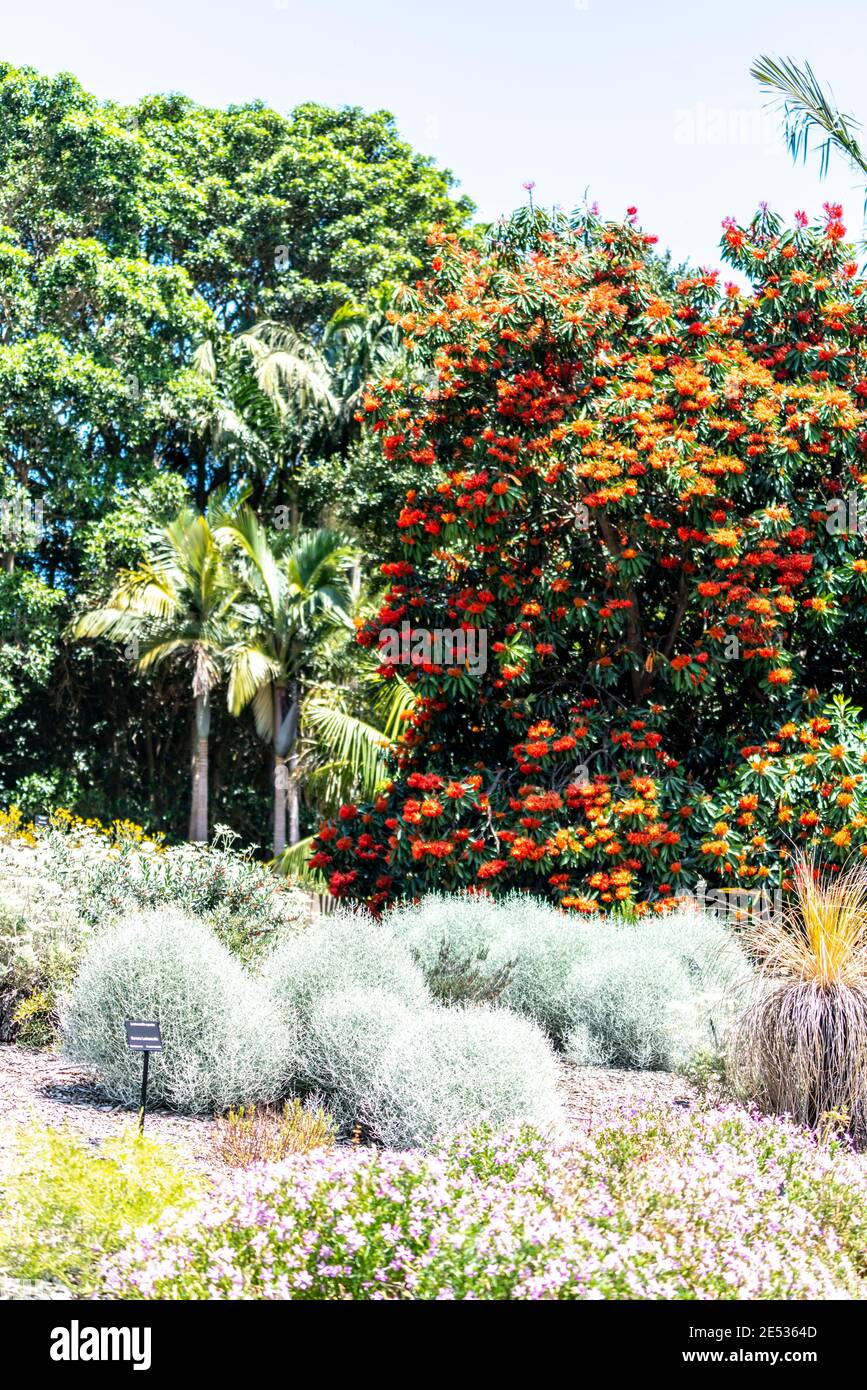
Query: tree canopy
x=651 y=498
x=130 y=236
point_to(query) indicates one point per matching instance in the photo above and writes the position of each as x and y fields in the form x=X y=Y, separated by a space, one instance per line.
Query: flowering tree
x=645 y=493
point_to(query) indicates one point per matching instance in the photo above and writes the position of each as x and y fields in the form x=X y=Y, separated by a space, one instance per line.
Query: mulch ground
x=42 y=1087
x=592 y=1095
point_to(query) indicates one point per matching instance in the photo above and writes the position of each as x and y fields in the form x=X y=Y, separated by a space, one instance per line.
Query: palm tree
x=274 y=397
x=805 y=108
x=178 y=604
x=282 y=399
x=296 y=587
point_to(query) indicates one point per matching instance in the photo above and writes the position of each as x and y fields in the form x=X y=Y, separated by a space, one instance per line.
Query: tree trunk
x=201 y=731
x=294 y=789
x=279 y=778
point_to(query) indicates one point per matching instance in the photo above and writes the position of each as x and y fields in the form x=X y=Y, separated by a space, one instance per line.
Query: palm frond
x=179 y=601
x=118 y=624
x=292 y=863
x=394 y=699
x=247 y=533
x=805 y=108
x=231 y=433
x=354 y=749
x=251 y=671
x=204 y=359
x=287 y=368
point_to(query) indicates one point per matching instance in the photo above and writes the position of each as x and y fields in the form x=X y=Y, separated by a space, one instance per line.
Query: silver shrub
x=345 y=950
x=653 y=993
x=648 y=993
x=583 y=1048
x=446 y=1069
x=468 y=922
x=248 y=907
x=224 y=1042
x=343 y=1044
x=627 y=1015
x=542 y=943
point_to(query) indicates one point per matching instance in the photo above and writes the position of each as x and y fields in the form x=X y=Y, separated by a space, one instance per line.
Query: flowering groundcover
x=719 y=1204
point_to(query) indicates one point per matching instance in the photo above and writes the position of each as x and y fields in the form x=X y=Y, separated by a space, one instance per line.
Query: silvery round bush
x=446 y=1069
x=545 y=953
x=467 y=921
x=224 y=1043
x=652 y=994
x=628 y=1014
x=583 y=1048
x=346 y=950
x=641 y=994
x=540 y=943
x=343 y=1043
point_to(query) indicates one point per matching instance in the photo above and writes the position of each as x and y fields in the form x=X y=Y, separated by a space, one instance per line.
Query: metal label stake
x=143 y=1036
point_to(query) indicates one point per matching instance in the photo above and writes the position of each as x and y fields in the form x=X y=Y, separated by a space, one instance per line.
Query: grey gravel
x=43 y=1087
x=592 y=1095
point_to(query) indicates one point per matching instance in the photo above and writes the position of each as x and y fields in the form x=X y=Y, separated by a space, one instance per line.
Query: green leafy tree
x=128 y=235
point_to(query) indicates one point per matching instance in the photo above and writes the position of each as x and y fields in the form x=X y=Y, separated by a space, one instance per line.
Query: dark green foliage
x=454 y=978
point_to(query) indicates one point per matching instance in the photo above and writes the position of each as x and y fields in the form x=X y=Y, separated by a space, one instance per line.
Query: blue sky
x=640 y=103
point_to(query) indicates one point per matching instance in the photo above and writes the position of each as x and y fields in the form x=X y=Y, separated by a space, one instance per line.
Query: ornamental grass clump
x=224 y=1043
x=801 y=1048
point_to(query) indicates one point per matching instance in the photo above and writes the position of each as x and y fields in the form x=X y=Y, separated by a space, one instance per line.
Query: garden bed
x=42 y=1092
x=42 y=1085
x=743 y=1207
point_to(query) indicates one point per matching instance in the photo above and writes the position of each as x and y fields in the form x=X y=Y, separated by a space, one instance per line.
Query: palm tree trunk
x=279 y=779
x=294 y=789
x=201 y=731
